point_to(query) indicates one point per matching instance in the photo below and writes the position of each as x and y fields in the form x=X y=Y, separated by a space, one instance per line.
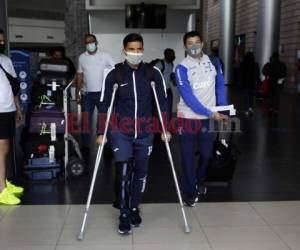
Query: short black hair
x=190 y=34
x=168 y=50
x=1 y=31
x=59 y=48
x=132 y=37
x=90 y=35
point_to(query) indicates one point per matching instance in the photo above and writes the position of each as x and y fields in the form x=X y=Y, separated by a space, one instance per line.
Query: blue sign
x=21 y=62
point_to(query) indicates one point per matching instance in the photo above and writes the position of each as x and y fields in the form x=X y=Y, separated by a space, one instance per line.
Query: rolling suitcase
x=42 y=118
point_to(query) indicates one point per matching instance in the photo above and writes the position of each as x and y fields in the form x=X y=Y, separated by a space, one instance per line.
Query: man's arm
x=160 y=87
x=220 y=86
x=79 y=84
x=106 y=95
x=110 y=61
x=19 y=115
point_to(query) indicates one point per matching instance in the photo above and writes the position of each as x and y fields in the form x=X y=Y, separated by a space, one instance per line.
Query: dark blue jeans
x=189 y=135
x=89 y=101
x=125 y=147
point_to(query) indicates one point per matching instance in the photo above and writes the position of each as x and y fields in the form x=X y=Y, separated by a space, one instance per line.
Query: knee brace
x=123 y=182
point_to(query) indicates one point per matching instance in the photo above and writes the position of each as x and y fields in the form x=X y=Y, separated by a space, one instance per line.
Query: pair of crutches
x=187 y=228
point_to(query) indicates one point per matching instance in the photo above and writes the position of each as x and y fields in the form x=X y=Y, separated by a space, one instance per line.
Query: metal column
x=191 y=25
x=227 y=37
x=268 y=30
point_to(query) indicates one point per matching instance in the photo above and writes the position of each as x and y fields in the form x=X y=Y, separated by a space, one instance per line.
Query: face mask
x=91 y=47
x=134 y=58
x=195 y=50
x=2 y=48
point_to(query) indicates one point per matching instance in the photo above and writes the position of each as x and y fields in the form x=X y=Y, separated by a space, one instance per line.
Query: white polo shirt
x=7 y=103
x=92 y=67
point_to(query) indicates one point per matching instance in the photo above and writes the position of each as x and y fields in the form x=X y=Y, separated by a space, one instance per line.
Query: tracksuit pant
x=132 y=160
x=191 y=132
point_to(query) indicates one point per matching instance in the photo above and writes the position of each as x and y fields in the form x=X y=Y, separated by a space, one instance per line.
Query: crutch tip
x=187 y=229
x=80 y=236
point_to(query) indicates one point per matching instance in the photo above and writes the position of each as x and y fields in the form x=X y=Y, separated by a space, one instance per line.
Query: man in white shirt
x=10 y=111
x=91 y=66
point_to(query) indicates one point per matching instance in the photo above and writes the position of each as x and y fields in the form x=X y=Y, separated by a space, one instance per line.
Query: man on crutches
x=130 y=140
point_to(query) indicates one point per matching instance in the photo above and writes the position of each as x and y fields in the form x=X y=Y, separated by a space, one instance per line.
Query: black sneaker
x=191 y=202
x=124 y=226
x=135 y=217
x=202 y=190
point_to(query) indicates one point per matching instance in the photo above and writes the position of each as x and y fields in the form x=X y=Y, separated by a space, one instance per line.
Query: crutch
x=187 y=228
x=97 y=163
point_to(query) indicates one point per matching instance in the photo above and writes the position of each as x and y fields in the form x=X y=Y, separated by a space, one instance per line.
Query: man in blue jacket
x=200 y=83
x=130 y=135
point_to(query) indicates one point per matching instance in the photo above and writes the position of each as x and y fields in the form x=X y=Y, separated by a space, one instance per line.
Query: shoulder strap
x=214 y=61
x=119 y=72
x=3 y=69
x=149 y=72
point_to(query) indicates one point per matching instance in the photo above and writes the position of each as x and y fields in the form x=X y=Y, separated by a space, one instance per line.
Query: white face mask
x=91 y=47
x=134 y=58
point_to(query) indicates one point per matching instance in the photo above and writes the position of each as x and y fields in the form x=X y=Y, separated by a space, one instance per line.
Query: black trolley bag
x=225 y=155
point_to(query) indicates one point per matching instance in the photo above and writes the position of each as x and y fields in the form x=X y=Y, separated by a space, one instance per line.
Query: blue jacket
x=134 y=97
x=201 y=87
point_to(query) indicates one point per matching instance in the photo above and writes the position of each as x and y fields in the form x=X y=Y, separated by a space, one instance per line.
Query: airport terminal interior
x=252 y=201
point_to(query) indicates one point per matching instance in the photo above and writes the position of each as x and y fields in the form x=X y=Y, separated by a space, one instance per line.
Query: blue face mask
x=91 y=47
x=195 y=50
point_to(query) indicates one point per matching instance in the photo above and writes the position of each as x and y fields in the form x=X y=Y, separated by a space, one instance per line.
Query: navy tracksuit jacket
x=134 y=101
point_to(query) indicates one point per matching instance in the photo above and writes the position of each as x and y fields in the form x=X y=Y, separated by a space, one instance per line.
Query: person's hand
x=219 y=117
x=78 y=99
x=168 y=135
x=101 y=139
x=19 y=116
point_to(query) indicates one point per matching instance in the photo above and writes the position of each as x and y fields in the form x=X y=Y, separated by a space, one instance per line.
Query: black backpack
x=224 y=158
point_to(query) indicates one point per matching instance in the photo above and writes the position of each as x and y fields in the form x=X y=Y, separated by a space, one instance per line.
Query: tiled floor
x=215 y=226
